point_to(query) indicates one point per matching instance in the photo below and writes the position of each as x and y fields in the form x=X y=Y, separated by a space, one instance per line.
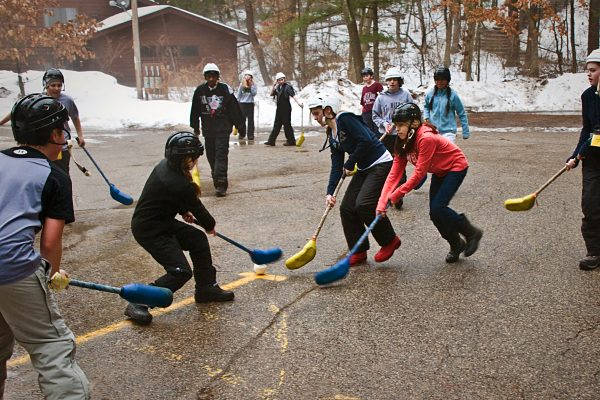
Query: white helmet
x=593 y=57
x=332 y=101
x=393 y=72
x=314 y=102
x=247 y=72
x=279 y=75
x=210 y=67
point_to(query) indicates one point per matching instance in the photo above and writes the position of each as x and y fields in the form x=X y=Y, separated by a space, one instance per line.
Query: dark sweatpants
x=590 y=204
x=167 y=250
x=367 y=118
x=217 y=153
x=248 y=114
x=389 y=142
x=359 y=204
x=283 y=117
x=441 y=191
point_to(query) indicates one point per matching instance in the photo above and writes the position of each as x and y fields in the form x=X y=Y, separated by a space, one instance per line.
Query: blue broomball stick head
x=338 y=271
x=267 y=256
x=119 y=196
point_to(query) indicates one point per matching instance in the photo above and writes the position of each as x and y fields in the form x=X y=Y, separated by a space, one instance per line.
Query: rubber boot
x=472 y=234
x=358 y=258
x=210 y=293
x=589 y=263
x=387 y=251
x=457 y=246
x=138 y=313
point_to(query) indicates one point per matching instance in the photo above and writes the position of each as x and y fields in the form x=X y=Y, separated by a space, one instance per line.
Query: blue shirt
x=446 y=121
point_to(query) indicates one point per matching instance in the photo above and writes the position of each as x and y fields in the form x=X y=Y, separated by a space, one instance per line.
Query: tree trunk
x=288 y=41
x=456 y=32
x=573 y=48
x=593 y=26
x=448 y=19
x=469 y=47
x=533 y=63
x=375 y=40
x=423 y=45
x=302 y=46
x=258 y=51
x=513 y=59
x=20 y=81
x=355 y=51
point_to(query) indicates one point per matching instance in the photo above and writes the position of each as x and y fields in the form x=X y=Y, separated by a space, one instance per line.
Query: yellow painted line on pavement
x=247 y=277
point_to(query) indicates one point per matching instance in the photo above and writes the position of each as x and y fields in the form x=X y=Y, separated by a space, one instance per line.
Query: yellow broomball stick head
x=302 y=257
x=300 y=140
x=521 y=204
x=235 y=131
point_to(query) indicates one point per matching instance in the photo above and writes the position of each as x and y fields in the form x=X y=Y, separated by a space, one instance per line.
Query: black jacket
x=166 y=194
x=217 y=108
x=590 y=113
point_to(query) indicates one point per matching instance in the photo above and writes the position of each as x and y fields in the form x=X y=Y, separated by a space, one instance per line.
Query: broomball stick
x=138 y=293
x=115 y=193
x=83 y=169
x=309 y=250
x=341 y=268
x=301 y=138
x=526 y=202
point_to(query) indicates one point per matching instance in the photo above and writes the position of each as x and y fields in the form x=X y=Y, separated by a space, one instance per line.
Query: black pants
x=248 y=114
x=217 y=153
x=63 y=163
x=590 y=204
x=389 y=141
x=367 y=117
x=167 y=250
x=283 y=117
x=359 y=204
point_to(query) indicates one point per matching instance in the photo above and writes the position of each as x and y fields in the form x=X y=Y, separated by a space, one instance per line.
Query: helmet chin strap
x=62 y=144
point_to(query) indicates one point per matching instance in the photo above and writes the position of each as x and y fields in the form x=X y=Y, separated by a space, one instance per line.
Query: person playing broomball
x=428 y=151
x=169 y=191
x=588 y=151
x=347 y=133
x=36 y=198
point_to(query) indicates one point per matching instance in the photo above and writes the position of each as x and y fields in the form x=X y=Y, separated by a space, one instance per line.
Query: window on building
x=189 y=51
x=61 y=15
x=148 y=51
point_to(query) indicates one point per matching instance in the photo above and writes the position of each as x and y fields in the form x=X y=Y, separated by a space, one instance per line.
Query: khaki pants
x=29 y=314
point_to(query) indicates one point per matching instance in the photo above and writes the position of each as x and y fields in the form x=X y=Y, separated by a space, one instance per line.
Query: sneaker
x=387 y=251
x=289 y=144
x=269 y=143
x=138 y=313
x=454 y=253
x=220 y=193
x=589 y=263
x=206 y=294
x=358 y=258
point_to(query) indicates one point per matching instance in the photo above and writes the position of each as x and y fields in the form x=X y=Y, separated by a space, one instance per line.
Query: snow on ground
x=106 y=105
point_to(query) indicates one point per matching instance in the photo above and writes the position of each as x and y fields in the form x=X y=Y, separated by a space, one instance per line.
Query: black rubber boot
x=589 y=263
x=457 y=246
x=138 y=313
x=206 y=294
x=472 y=234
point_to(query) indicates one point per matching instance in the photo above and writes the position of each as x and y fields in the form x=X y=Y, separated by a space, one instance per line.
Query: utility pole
x=137 y=58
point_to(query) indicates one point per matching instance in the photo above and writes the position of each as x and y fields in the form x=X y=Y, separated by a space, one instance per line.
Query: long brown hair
x=187 y=173
x=403 y=147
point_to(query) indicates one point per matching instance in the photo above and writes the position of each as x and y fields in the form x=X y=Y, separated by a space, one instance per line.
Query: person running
x=53 y=83
x=430 y=152
x=281 y=93
x=214 y=103
x=347 y=133
x=245 y=95
x=169 y=191
x=588 y=151
x=36 y=197
x=370 y=92
x=383 y=110
x=442 y=104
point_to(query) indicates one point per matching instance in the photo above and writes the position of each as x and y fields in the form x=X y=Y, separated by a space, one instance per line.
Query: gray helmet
x=406 y=112
x=35 y=116
x=183 y=144
x=367 y=71
x=52 y=74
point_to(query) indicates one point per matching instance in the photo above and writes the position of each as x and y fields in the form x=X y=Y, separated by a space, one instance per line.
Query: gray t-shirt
x=69 y=104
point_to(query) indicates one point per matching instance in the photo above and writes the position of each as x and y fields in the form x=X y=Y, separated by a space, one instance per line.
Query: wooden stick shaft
x=335 y=193
x=545 y=185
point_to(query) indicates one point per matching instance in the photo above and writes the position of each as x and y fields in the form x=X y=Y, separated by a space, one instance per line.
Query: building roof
x=124 y=17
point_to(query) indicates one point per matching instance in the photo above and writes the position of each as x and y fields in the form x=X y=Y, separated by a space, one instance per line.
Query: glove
x=59 y=281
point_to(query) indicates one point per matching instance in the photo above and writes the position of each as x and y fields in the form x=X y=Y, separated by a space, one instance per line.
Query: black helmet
x=183 y=144
x=442 y=73
x=366 y=71
x=52 y=74
x=35 y=116
x=406 y=112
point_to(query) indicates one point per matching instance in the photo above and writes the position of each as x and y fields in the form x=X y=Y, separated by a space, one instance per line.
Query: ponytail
x=448 y=93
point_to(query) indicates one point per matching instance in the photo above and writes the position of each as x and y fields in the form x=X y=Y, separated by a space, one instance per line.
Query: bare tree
x=355 y=50
x=258 y=50
x=593 y=26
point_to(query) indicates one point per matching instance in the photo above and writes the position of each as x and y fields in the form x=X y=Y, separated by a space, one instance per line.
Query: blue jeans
x=441 y=191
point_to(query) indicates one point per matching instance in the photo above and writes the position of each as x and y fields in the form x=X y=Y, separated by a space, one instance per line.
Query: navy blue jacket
x=356 y=139
x=590 y=112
